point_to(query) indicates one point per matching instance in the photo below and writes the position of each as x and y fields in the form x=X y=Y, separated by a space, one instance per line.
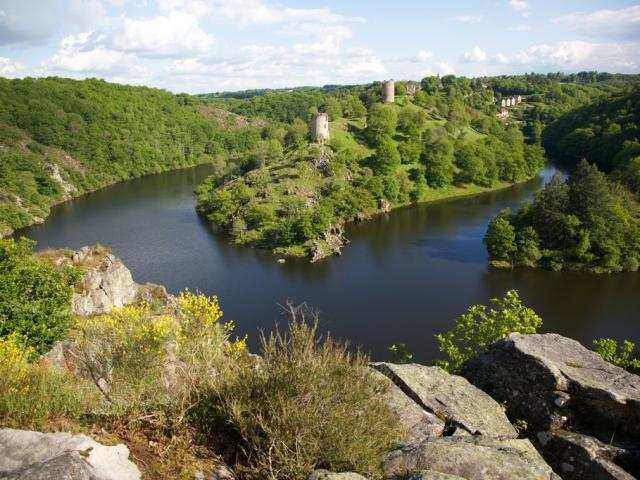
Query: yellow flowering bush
x=141 y=359
x=32 y=394
x=15 y=367
x=123 y=353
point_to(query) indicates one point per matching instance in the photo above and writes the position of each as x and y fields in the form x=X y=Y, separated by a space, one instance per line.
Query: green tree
x=35 y=297
x=387 y=157
x=624 y=355
x=500 y=238
x=297 y=131
x=438 y=160
x=482 y=326
x=381 y=122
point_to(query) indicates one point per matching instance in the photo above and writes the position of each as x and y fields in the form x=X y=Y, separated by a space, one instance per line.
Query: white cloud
x=82 y=54
x=621 y=24
x=422 y=56
x=9 y=68
x=172 y=35
x=476 y=55
x=468 y=18
x=520 y=6
x=446 y=69
x=86 y=13
x=575 y=56
x=198 y=8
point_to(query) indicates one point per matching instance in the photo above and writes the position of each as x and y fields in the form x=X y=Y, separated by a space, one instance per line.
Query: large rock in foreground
x=465 y=409
x=417 y=423
x=27 y=455
x=552 y=382
x=469 y=458
x=582 y=412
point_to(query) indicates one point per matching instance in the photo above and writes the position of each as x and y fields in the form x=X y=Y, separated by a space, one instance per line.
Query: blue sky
x=200 y=46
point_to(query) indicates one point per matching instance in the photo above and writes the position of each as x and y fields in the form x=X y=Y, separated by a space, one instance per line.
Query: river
x=405 y=276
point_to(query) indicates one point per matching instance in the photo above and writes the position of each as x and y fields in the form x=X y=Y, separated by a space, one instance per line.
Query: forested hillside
x=60 y=138
x=295 y=195
x=606 y=133
x=592 y=221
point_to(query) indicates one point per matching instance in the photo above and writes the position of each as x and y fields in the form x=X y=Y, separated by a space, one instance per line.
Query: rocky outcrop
x=331 y=244
x=571 y=400
x=428 y=475
x=107 y=283
x=465 y=409
x=581 y=457
x=27 y=455
x=417 y=423
x=470 y=458
x=453 y=430
x=221 y=471
x=327 y=475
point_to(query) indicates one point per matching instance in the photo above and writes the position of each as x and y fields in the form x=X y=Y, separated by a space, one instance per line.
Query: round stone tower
x=320 y=126
x=389 y=91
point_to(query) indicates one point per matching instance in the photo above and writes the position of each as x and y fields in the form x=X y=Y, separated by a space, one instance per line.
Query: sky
x=200 y=46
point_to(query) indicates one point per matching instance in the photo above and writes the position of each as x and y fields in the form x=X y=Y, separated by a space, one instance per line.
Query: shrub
x=624 y=356
x=481 y=326
x=400 y=353
x=309 y=404
x=35 y=297
x=141 y=360
x=32 y=395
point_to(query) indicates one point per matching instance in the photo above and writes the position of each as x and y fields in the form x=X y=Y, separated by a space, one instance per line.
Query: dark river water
x=404 y=277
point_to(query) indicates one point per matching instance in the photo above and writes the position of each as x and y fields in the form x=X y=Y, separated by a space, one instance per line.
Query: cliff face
x=107 y=283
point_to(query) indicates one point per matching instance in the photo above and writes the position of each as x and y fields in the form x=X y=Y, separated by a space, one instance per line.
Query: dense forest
x=60 y=138
x=592 y=221
x=442 y=140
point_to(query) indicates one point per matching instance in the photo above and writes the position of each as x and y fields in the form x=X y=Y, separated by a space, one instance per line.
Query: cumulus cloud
x=422 y=56
x=476 y=55
x=575 y=55
x=520 y=6
x=623 y=24
x=468 y=18
x=9 y=68
x=82 y=53
x=172 y=35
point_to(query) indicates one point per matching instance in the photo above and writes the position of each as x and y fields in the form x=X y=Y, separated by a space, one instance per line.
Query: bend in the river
x=406 y=275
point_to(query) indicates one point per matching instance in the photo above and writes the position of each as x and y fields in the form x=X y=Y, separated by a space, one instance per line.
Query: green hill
x=379 y=156
x=60 y=138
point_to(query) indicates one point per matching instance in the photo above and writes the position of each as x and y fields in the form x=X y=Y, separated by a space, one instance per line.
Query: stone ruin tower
x=389 y=91
x=320 y=126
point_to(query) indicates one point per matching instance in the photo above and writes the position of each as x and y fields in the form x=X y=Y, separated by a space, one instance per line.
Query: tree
x=411 y=121
x=500 y=238
x=528 y=247
x=35 y=297
x=297 y=131
x=438 y=160
x=333 y=108
x=482 y=326
x=387 y=157
x=549 y=209
x=430 y=85
x=381 y=122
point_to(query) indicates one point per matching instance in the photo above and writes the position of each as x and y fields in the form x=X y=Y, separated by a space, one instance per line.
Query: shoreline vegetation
x=591 y=222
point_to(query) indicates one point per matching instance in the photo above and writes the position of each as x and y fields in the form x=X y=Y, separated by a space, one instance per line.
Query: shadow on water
x=404 y=277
